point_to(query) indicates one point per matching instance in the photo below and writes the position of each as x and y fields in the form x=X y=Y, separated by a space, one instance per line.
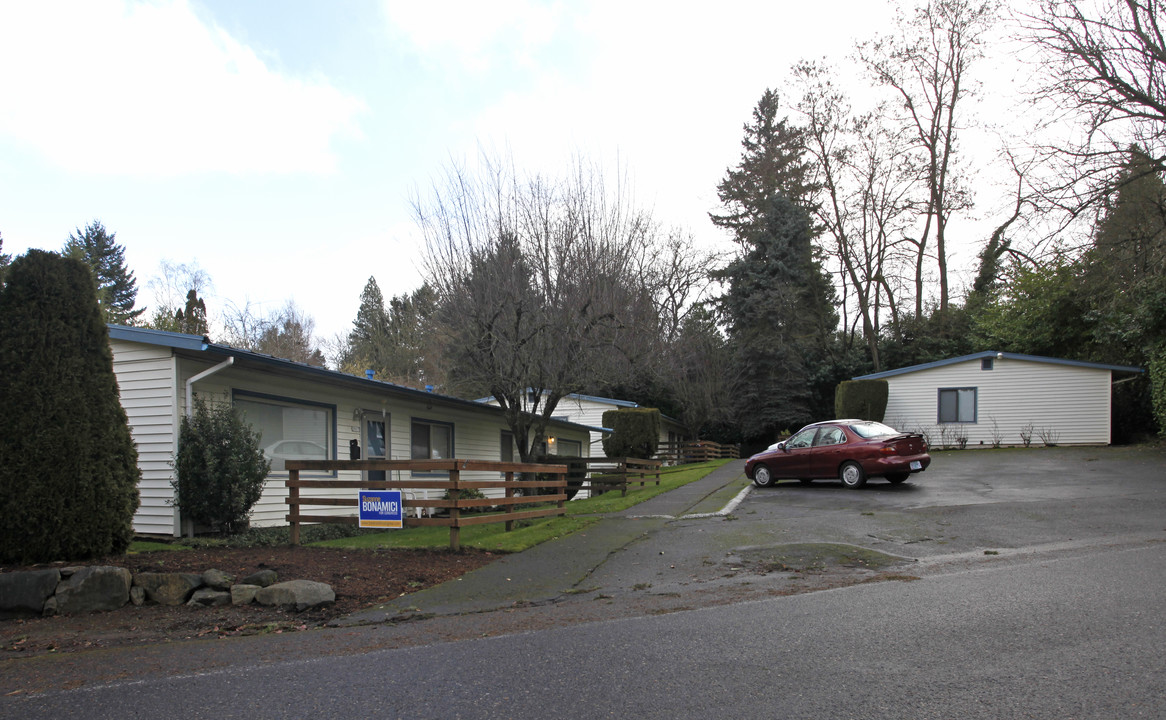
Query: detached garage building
x=995 y=397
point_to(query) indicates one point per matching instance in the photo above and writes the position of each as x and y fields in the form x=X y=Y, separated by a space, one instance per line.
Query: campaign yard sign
x=381 y=509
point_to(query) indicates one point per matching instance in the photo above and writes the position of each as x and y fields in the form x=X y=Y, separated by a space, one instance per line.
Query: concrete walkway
x=555 y=568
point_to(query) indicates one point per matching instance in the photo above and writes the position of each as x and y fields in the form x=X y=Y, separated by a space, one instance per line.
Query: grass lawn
x=580 y=514
x=493 y=537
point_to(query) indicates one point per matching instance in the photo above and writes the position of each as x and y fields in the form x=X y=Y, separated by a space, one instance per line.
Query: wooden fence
x=612 y=473
x=697 y=451
x=549 y=505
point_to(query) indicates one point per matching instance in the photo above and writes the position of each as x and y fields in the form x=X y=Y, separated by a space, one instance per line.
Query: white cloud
x=473 y=35
x=118 y=87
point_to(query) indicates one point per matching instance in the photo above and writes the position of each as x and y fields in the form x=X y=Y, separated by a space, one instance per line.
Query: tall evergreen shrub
x=219 y=468
x=635 y=432
x=1158 y=388
x=863 y=399
x=68 y=467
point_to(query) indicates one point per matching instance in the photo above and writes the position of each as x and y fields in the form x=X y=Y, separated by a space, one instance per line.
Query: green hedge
x=863 y=399
x=1158 y=388
x=576 y=472
x=635 y=432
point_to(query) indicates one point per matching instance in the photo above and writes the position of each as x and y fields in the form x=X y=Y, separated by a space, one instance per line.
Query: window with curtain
x=288 y=430
x=957 y=405
x=431 y=440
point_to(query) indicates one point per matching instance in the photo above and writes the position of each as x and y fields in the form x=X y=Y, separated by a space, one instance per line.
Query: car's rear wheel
x=851 y=474
x=897 y=478
x=762 y=477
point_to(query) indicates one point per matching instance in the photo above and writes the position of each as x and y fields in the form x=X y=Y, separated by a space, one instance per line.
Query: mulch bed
x=360 y=578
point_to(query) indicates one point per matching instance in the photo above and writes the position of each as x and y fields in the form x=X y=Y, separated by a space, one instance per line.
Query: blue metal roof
x=196 y=343
x=580 y=396
x=998 y=355
x=159 y=337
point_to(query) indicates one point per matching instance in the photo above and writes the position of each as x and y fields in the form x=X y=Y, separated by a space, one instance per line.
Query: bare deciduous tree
x=865 y=176
x=286 y=333
x=1105 y=61
x=172 y=287
x=927 y=67
x=544 y=286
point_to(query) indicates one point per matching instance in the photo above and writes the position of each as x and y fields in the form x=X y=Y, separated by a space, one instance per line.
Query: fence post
x=293 y=501
x=455 y=513
x=509 y=494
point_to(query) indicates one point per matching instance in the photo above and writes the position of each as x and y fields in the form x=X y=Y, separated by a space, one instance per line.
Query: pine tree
x=1130 y=242
x=391 y=339
x=68 y=467
x=117 y=289
x=192 y=318
x=780 y=309
x=771 y=163
x=5 y=261
x=1125 y=278
x=368 y=331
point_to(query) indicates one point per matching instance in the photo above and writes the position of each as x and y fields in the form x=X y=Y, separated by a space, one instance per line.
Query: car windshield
x=873 y=430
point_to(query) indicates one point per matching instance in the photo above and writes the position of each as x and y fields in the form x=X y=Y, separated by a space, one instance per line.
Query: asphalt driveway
x=693 y=547
x=980 y=501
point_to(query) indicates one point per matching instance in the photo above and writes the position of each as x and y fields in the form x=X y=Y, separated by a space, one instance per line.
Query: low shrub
x=219 y=468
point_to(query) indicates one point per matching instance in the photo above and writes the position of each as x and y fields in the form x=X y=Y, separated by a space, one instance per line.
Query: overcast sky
x=277 y=142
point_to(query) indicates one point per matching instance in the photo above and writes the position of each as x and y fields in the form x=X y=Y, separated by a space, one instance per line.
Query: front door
x=376 y=446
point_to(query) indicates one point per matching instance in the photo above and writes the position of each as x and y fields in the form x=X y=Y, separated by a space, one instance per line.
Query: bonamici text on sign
x=381 y=509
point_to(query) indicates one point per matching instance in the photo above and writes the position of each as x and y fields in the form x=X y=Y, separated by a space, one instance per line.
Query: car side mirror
x=781 y=446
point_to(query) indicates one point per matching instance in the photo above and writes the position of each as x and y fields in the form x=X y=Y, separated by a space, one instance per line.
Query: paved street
x=1019 y=585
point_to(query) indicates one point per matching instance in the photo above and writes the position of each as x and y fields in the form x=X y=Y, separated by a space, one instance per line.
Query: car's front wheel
x=851 y=474
x=762 y=477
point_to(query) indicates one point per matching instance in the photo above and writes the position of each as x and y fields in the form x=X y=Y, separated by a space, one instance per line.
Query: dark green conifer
x=117 y=289
x=68 y=466
x=780 y=310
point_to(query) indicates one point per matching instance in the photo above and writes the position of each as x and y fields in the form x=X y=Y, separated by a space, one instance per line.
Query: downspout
x=190 y=408
x=204 y=374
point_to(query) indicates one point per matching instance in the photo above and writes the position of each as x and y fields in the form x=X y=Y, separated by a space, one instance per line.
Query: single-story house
x=589 y=409
x=301 y=412
x=998 y=398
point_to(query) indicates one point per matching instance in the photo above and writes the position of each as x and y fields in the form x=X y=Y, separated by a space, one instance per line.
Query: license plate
x=916 y=465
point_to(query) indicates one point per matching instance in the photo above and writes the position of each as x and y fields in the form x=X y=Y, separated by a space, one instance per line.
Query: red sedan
x=850 y=450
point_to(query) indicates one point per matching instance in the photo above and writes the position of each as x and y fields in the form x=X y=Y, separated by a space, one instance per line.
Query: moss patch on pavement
x=814 y=557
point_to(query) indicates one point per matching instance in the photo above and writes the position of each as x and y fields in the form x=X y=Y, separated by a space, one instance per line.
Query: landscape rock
x=92 y=589
x=23 y=594
x=263 y=578
x=217 y=580
x=168 y=588
x=300 y=594
x=209 y=597
x=244 y=594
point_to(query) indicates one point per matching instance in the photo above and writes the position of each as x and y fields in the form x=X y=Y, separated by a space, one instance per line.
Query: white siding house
x=302 y=412
x=589 y=409
x=993 y=398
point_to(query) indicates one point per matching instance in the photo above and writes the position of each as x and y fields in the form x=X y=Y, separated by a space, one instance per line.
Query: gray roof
x=1001 y=356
